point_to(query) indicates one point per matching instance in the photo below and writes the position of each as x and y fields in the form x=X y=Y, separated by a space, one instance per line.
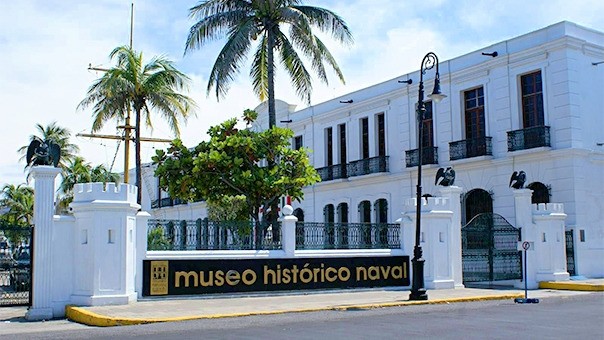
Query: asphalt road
x=576 y=317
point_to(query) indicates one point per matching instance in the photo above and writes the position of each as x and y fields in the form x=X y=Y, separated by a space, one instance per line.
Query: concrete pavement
x=220 y=306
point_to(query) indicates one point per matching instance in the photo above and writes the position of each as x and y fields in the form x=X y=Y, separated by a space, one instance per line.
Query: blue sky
x=46 y=46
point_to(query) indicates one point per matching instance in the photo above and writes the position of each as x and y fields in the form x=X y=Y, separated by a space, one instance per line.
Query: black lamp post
x=418 y=291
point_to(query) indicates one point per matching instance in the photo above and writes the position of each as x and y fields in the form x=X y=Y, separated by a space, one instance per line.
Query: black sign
x=190 y=277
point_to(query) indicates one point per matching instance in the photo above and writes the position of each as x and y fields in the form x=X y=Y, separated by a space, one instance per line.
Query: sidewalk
x=220 y=306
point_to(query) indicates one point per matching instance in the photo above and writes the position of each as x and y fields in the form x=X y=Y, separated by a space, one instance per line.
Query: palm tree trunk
x=272 y=120
x=137 y=138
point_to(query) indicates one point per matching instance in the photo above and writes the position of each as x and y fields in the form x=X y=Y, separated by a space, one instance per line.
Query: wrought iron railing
x=203 y=234
x=312 y=235
x=368 y=166
x=332 y=172
x=468 y=148
x=429 y=156
x=528 y=138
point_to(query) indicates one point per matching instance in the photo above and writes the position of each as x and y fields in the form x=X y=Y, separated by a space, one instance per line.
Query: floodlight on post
x=418 y=291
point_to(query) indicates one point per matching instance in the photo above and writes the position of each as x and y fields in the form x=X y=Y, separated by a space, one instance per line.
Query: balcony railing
x=429 y=156
x=167 y=202
x=468 y=148
x=332 y=172
x=533 y=137
x=368 y=166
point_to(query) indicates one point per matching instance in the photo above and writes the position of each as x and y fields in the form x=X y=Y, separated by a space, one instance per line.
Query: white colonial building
x=534 y=103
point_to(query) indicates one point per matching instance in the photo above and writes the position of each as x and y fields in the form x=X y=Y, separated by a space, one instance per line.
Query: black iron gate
x=489 y=249
x=15 y=265
x=570 y=253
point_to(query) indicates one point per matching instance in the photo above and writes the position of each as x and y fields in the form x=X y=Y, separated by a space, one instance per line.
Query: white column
x=436 y=217
x=453 y=194
x=44 y=189
x=550 y=245
x=288 y=231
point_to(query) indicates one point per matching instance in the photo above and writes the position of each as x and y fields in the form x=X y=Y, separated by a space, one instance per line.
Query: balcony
x=429 y=156
x=332 y=172
x=533 y=137
x=166 y=202
x=368 y=166
x=469 y=148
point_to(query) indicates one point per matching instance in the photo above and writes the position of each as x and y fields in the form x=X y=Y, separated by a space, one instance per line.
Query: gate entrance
x=489 y=249
x=15 y=265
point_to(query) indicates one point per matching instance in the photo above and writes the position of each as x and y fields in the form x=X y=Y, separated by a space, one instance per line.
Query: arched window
x=381 y=218
x=540 y=192
x=299 y=213
x=342 y=212
x=477 y=201
x=328 y=218
x=365 y=217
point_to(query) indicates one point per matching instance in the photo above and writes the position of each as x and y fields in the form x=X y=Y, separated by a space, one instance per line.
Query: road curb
x=587 y=287
x=86 y=317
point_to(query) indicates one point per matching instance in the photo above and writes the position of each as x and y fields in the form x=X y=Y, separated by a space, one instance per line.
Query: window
x=381 y=217
x=329 y=146
x=427 y=127
x=381 y=134
x=328 y=218
x=343 y=219
x=364 y=138
x=298 y=143
x=474 y=113
x=365 y=217
x=342 y=132
x=532 y=99
x=540 y=193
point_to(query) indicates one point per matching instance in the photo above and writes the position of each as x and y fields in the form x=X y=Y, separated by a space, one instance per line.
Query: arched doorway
x=477 y=201
x=342 y=212
x=329 y=219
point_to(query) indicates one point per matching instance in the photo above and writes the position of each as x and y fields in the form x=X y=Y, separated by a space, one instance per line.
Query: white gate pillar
x=453 y=194
x=524 y=220
x=105 y=244
x=44 y=189
x=550 y=245
x=435 y=238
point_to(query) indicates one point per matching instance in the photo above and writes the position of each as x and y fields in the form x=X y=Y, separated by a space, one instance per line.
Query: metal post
x=418 y=291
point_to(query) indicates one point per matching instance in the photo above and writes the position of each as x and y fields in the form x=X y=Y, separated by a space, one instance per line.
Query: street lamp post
x=418 y=291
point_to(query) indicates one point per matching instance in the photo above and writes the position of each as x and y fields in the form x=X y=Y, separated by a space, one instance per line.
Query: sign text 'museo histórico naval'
x=186 y=277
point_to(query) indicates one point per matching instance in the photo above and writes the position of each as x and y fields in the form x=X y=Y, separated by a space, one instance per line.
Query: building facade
x=534 y=103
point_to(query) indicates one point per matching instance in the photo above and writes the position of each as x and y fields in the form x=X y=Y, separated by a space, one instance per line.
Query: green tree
x=243 y=22
x=233 y=163
x=154 y=86
x=60 y=136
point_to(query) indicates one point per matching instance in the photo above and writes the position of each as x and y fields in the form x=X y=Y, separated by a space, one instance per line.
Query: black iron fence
x=202 y=234
x=312 y=235
x=529 y=138
x=468 y=148
x=429 y=156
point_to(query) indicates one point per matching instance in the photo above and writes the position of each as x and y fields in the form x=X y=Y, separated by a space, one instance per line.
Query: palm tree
x=245 y=21
x=79 y=171
x=60 y=136
x=154 y=86
x=18 y=202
